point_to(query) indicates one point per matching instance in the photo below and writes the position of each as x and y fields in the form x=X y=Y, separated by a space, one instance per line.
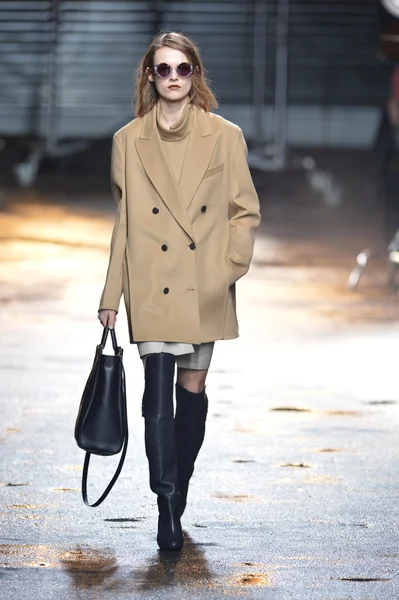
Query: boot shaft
x=158 y=390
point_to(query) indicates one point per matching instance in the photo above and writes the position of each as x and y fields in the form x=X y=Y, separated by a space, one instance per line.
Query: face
x=172 y=88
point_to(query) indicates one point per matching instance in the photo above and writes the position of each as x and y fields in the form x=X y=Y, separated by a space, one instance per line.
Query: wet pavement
x=295 y=490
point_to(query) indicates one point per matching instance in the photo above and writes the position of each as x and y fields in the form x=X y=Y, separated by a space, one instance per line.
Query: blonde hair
x=146 y=94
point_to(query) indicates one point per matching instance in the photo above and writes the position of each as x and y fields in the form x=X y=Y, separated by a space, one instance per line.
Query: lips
x=174 y=87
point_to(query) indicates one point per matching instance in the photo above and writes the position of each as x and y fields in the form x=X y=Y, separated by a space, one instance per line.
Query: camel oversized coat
x=177 y=250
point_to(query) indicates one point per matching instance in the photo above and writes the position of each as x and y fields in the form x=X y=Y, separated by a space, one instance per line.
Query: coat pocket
x=213 y=171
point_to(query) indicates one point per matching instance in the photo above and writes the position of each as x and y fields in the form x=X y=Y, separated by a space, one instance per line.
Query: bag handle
x=125 y=441
x=115 y=346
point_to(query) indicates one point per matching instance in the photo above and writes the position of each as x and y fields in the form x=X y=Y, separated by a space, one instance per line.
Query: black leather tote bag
x=101 y=425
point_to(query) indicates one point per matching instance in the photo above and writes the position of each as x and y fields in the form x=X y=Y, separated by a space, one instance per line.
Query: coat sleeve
x=243 y=211
x=113 y=284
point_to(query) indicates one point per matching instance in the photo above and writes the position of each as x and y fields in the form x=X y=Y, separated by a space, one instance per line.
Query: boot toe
x=169 y=544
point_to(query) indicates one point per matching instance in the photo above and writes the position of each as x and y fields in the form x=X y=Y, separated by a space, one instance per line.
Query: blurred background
x=314 y=84
x=314 y=73
x=290 y=72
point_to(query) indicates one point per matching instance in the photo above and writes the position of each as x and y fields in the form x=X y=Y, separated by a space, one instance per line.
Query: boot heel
x=170 y=535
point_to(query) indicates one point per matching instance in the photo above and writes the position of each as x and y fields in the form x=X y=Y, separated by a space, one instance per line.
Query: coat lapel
x=201 y=144
x=155 y=164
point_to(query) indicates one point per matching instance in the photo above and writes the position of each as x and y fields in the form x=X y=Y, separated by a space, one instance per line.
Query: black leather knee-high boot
x=191 y=411
x=160 y=447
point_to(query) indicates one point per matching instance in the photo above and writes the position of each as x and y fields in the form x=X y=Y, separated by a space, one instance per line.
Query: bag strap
x=111 y=483
x=121 y=460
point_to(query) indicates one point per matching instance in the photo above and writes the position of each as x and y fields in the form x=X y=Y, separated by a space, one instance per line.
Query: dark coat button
x=203 y=208
x=164 y=247
x=155 y=210
x=166 y=290
x=192 y=246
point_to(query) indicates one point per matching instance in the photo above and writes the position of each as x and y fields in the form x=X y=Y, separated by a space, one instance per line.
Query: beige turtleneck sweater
x=175 y=140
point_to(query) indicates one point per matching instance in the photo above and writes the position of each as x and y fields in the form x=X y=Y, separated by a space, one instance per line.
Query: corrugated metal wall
x=72 y=61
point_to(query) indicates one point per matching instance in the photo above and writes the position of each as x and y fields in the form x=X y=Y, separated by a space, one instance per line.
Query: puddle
x=29 y=506
x=28 y=555
x=290 y=409
x=333 y=413
x=243 y=460
x=88 y=567
x=342 y=413
x=125 y=520
x=254 y=579
x=364 y=579
x=10 y=484
x=296 y=465
x=236 y=497
x=329 y=450
x=365 y=525
x=381 y=402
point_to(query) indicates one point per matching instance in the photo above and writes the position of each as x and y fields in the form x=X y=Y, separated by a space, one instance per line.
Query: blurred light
x=392 y=6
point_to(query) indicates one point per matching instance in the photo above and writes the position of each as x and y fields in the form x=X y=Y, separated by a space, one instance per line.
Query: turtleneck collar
x=178 y=130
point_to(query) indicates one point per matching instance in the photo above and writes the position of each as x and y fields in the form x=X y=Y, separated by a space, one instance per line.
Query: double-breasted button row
x=155 y=210
x=192 y=246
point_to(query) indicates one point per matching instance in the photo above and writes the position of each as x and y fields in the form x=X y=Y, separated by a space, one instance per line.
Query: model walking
x=184 y=234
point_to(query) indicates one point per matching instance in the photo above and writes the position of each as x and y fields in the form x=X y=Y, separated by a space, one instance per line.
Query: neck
x=170 y=112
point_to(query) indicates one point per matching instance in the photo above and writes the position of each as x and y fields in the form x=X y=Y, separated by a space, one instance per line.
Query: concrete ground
x=295 y=493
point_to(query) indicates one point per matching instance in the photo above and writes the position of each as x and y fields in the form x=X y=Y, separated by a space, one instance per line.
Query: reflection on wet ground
x=88 y=567
x=188 y=567
x=294 y=494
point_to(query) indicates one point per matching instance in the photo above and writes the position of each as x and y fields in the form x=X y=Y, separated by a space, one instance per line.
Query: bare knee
x=192 y=380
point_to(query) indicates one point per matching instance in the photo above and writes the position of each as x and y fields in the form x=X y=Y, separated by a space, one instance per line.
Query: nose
x=173 y=74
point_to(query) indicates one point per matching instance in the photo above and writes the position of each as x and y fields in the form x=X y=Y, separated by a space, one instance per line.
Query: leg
x=160 y=446
x=191 y=411
x=191 y=379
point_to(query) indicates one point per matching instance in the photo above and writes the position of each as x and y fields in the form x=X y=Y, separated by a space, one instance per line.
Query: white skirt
x=188 y=356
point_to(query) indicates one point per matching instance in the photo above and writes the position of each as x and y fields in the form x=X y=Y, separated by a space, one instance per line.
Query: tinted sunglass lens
x=184 y=69
x=163 y=70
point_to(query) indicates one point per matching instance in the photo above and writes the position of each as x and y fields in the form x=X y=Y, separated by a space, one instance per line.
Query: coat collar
x=200 y=148
x=201 y=122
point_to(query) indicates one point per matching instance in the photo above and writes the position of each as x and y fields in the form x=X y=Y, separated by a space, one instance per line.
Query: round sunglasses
x=163 y=70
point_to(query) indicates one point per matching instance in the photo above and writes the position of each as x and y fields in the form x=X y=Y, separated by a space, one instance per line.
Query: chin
x=175 y=96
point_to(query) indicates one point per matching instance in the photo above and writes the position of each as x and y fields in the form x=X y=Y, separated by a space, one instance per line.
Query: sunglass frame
x=170 y=70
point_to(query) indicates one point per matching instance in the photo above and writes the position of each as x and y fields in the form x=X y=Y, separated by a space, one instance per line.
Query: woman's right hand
x=107 y=317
